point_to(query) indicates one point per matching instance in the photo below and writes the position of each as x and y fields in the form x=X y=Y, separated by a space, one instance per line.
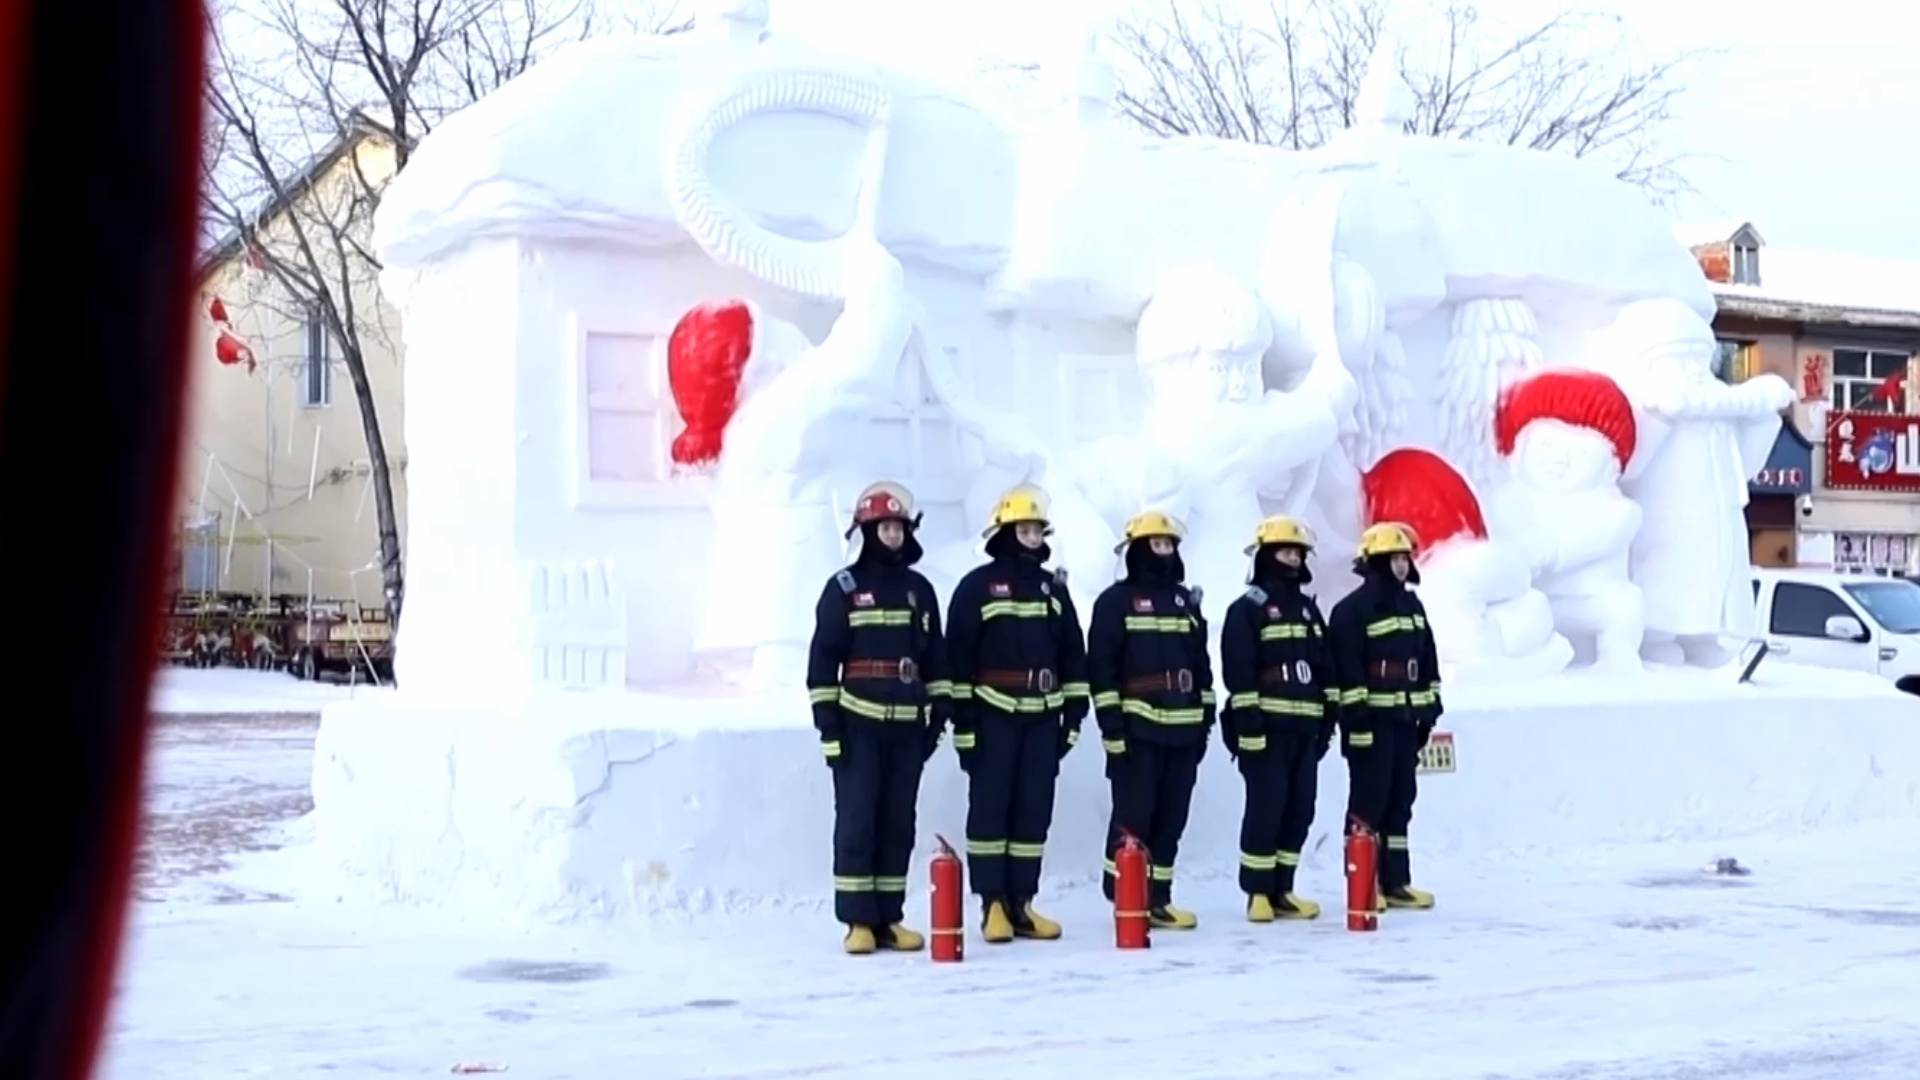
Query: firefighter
x=1020 y=692
x=876 y=676
x=1153 y=698
x=1389 y=677
x=1279 y=718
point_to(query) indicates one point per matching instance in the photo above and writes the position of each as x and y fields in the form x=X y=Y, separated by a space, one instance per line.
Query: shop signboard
x=1789 y=467
x=1873 y=452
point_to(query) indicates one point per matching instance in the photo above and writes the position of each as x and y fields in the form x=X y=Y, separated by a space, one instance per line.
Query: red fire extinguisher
x=1363 y=855
x=949 y=938
x=1130 y=901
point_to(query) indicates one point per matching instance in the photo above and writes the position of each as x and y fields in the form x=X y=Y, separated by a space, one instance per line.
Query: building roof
x=1812 y=285
x=228 y=245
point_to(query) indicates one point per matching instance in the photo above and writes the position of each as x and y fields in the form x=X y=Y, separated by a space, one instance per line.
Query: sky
x=1805 y=120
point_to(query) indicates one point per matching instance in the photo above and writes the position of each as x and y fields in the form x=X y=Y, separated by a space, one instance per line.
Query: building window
x=1746 y=264
x=1864 y=381
x=1735 y=361
x=316 y=374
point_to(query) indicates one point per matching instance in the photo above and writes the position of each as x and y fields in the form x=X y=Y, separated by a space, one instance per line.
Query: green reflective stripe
x=1386 y=700
x=873 y=710
x=986 y=847
x=940 y=688
x=1026 y=851
x=1287 y=858
x=1287 y=707
x=1420 y=697
x=820 y=695
x=1283 y=631
x=1006 y=702
x=1396 y=843
x=1419 y=622
x=1073 y=736
x=1333 y=696
x=1136 y=707
x=1207 y=698
x=1246 y=699
x=1107 y=867
x=1054 y=603
x=881 y=617
x=1394 y=624
x=1073 y=688
x=961 y=691
x=963 y=740
x=1162 y=873
x=1106 y=699
x=852 y=884
x=1159 y=624
x=1252 y=744
x=890 y=884
x=1353 y=696
x=1256 y=862
x=1360 y=739
x=1114 y=746
x=1014 y=609
x=831 y=748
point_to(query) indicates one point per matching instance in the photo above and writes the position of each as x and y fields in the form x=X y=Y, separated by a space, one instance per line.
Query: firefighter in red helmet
x=1389 y=674
x=876 y=674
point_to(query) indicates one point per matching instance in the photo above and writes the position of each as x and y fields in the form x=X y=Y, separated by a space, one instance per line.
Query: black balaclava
x=876 y=554
x=1275 y=576
x=1146 y=568
x=1004 y=545
x=1376 y=566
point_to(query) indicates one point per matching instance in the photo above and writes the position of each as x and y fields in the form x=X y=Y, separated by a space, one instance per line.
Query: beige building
x=275 y=482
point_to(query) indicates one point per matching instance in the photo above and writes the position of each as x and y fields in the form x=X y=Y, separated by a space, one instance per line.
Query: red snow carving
x=1420 y=490
x=1585 y=399
x=705 y=355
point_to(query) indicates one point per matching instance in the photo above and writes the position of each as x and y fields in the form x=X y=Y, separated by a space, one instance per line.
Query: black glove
x=1069 y=734
x=1326 y=742
x=1425 y=728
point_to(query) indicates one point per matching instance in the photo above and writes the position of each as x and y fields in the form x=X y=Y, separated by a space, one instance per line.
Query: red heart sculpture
x=705 y=356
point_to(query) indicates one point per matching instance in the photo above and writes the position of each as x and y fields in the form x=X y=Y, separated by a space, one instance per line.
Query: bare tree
x=313 y=107
x=1291 y=74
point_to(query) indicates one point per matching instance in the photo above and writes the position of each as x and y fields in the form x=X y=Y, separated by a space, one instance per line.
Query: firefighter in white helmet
x=1153 y=697
x=1018 y=664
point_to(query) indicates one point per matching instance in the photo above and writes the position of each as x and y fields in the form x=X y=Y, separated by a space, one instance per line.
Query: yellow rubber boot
x=1172 y=918
x=1295 y=906
x=859 y=941
x=901 y=939
x=1259 y=908
x=1409 y=897
x=998 y=929
x=1035 y=925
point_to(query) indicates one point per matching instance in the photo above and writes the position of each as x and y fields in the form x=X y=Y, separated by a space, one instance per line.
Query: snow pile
x=564 y=806
x=228 y=691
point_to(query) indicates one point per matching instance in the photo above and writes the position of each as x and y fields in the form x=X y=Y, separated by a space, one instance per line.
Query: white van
x=1862 y=622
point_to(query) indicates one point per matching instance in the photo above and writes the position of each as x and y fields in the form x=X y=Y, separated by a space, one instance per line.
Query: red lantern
x=705 y=356
x=230 y=350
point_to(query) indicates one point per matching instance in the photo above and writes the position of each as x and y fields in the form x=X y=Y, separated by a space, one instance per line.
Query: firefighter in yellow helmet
x=1153 y=697
x=876 y=674
x=1388 y=671
x=1019 y=669
x=1279 y=716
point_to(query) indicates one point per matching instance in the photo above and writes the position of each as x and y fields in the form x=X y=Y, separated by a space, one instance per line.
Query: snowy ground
x=183 y=691
x=1624 y=962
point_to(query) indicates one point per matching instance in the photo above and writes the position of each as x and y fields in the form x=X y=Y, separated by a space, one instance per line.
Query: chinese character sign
x=1873 y=452
x=1813 y=377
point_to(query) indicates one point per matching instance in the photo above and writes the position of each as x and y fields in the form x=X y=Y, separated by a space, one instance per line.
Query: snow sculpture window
x=1099 y=396
x=624 y=421
x=1869 y=380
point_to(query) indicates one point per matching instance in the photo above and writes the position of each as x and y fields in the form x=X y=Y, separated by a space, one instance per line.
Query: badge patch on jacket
x=864 y=598
x=1273 y=611
x=999 y=588
x=1143 y=603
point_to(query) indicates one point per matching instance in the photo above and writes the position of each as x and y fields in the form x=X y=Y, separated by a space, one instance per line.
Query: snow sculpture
x=1568 y=435
x=1213 y=438
x=793 y=445
x=578 y=626
x=706 y=356
x=1488 y=620
x=1699 y=440
x=1494 y=345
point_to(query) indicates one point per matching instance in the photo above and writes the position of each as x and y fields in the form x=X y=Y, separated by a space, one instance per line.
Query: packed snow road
x=1621 y=963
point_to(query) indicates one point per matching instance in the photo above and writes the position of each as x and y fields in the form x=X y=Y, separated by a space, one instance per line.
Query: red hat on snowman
x=1578 y=398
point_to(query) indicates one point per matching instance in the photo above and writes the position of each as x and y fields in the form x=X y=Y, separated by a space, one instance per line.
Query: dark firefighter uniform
x=1389 y=676
x=1279 y=716
x=1153 y=697
x=876 y=675
x=1018 y=665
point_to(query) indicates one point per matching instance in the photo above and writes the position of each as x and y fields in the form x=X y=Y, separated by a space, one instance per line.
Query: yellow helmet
x=1150 y=523
x=1280 y=529
x=1023 y=502
x=1386 y=538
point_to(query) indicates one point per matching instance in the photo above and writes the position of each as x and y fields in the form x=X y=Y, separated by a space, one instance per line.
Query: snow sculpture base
x=563 y=805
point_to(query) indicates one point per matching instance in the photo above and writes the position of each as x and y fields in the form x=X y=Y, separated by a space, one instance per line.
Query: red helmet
x=881 y=502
